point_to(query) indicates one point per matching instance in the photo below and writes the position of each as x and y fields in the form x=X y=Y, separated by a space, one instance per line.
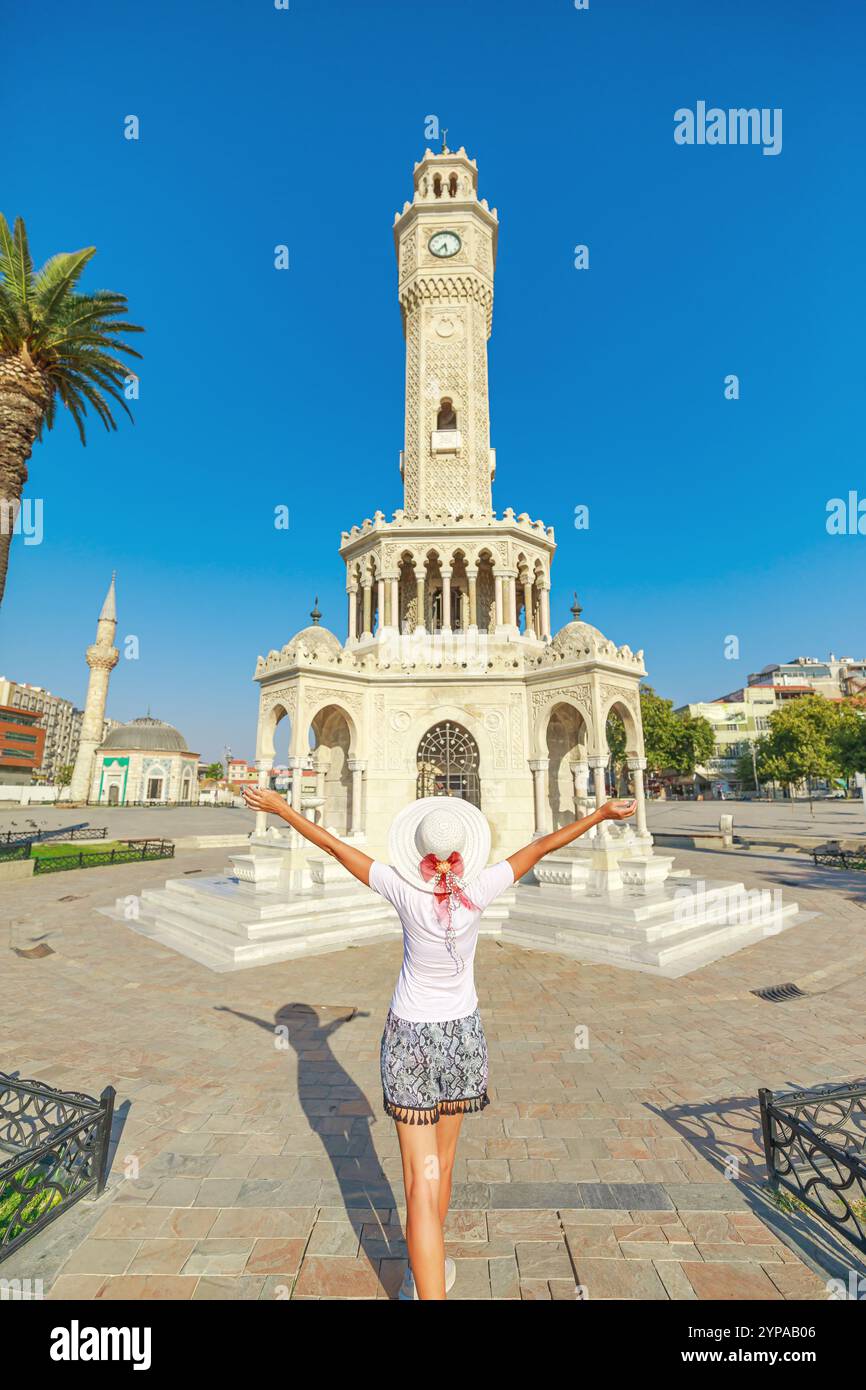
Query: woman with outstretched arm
x=433 y=1055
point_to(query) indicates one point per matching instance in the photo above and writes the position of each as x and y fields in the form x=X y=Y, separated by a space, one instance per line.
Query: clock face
x=444 y=243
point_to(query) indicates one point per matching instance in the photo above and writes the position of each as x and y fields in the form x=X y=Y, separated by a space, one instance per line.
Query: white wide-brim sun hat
x=438 y=825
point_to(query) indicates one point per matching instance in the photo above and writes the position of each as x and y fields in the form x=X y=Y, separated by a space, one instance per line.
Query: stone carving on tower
x=102 y=657
x=446 y=253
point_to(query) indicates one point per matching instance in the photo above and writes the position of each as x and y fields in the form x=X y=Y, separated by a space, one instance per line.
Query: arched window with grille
x=448 y=763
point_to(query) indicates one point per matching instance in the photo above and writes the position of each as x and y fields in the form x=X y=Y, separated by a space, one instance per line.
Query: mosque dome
x=148 y=734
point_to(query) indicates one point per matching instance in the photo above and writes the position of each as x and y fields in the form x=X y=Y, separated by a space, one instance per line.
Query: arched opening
x=114 y=794
x=446 y=418
x=328 y=790
x=566 y=774
x=448 y=763
x=622 y=742
x=437 y=185
x=452 y=185
x=486 y=593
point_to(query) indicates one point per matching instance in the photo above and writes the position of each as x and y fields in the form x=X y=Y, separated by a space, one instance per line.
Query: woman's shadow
x=339 y=1113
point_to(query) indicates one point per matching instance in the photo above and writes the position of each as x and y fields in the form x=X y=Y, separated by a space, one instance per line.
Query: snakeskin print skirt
x=433 y=1069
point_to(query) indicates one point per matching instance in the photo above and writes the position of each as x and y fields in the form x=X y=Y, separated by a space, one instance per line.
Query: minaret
x=446 y=251
x=102 y=658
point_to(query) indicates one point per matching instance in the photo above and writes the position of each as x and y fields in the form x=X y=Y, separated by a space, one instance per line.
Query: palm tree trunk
x=24 y=398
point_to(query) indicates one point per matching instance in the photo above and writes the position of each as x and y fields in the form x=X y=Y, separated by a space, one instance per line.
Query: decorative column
x=527 y=606
x=545 y=612
x=539 y=768
x=598 y=765
x=367 y=588
x=356 y=767
x=637 y=767
x=420 y=616
x=394 y=612
x=380 y=603
x=352 y=625
x=446 y=600
x=263 y=767
x=580 y=773
x=297 y=767
x=497 y=585
x=472 y=576
x=511 y=599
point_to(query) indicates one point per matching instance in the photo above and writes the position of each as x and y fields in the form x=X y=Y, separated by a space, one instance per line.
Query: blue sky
x=261 y=127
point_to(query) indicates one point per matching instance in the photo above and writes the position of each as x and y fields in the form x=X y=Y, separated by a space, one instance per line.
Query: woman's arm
x=526 y=858
x=258 y=799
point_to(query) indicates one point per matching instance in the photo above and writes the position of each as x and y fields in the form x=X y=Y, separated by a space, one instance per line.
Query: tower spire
x=101 y=657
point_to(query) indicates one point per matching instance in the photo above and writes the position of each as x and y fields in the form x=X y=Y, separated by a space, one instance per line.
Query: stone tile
x=334 y=1276
x=276 y=1256
x=219 y=1257
x=466 y=1225
x=504 y=1278
x=543 y=1260
x=263 y=1221
x=619 y=1279
x=524 y=1225
x=76 y=1286
x=735 y=1281
x=334 y=1238
x=213 y=1287
x=156 y=1255
x=147 y=1287
x=677 y=1285
x=108 y=1256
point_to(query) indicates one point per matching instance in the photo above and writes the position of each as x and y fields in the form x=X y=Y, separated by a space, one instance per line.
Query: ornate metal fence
x=54 y=1150
x=815 y=1145
x=129 y=851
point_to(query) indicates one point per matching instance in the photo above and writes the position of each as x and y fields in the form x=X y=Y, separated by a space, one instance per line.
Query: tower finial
x=314 y=611
x=444 y=149
x=576 y=609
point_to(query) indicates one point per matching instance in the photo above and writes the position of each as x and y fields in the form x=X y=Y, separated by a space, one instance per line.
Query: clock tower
x=446 y=253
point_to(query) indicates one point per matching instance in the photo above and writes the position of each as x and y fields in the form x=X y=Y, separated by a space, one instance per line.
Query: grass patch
x=51 y=851
x=18 y=1208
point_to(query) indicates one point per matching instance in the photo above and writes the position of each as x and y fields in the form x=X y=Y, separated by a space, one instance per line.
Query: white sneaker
x=408 y=1291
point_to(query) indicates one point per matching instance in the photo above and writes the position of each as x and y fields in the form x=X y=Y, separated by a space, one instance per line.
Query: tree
x=55 y=344
x=659 y=721
x=63 y=775
x=213 y=772
x=848 y=740
x=693 y=742
x=800 y=744
x=745 y=771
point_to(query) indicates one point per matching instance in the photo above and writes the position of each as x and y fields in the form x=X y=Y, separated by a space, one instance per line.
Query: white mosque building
x=144 y=762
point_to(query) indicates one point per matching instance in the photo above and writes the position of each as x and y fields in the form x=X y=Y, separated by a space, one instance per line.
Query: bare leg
x=447 y=1134
x=420 y=1156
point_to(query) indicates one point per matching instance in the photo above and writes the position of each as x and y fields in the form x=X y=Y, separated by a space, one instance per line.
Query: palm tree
x=54 y=344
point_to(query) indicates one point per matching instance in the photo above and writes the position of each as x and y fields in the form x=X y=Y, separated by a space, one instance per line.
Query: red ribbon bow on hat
x=447 y=892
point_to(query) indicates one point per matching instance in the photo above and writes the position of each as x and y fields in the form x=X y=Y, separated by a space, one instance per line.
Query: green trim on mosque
x=121 y=762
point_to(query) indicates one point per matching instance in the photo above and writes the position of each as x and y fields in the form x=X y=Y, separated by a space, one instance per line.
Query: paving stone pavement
x=253 y=1160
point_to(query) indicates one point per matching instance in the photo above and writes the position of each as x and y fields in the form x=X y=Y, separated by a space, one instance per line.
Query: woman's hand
x=618 y=810
x=261 y=799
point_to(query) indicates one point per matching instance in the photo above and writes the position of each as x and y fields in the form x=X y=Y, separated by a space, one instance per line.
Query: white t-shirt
x=430 y=988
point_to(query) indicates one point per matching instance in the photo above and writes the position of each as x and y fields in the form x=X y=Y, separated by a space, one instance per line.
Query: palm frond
x=16 y=267
x=55 y=280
